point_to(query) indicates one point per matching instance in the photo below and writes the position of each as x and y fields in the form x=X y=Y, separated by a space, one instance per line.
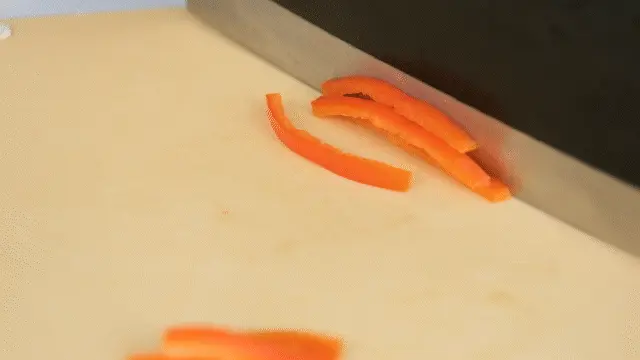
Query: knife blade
x=555 y=183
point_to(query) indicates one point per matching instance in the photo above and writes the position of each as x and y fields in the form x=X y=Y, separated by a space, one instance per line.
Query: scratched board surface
x=149 y=190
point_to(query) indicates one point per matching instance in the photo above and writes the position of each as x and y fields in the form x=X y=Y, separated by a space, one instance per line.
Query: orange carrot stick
x=283 y=338
x=459 y=166
x=495 y=191
x=322 y=347
x=352 y=167
x=418 y=111
x=160 y=356
x=253 y=345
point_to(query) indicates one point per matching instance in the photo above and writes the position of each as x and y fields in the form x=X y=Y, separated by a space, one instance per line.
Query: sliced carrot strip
x=418 y=111
x=150 y=356
x=283 y=338
x=177 y=333
x=207 y=342
x=349 y=166
x=322 y=346
x=280 y=337
x=161 y=356
x=497 y=191
x=460 y=166
x=254 y=345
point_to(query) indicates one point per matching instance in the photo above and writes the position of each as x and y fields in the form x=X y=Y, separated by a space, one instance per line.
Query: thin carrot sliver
x=460 y=166
x=206 y=342
x=497 y=191
x=250 y=345
x=161 y=356
x=416 y=110
x=362 y=170
x=322 y=346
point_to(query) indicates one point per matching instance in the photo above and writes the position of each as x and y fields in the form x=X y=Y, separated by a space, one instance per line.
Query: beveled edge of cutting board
x=540 y=175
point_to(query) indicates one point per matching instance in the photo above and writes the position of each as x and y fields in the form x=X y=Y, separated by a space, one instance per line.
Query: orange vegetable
x=460 y=166
x=160 y=356
x=495 y=191
x=352 y=167
x=210 y=342
x=216 y=343
x=418 y=111
x=316 y=346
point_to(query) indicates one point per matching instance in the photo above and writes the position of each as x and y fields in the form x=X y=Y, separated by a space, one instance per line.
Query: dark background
x=566 y=72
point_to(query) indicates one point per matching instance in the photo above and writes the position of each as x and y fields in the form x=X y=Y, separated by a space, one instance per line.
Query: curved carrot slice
x=352 y=167
x=209 y=342
x=160 y=356
x=149 y=356
x=418 y=111
x=256 y=345
x=459 y=166
x=496 y=191
x=323 y=347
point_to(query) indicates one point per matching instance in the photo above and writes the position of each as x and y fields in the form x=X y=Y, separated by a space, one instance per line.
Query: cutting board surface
x=141 y=186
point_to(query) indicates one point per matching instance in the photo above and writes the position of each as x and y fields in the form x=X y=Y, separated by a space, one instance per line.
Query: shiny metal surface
x=555 y=183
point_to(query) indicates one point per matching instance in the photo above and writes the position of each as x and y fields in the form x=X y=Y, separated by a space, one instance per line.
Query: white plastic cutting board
x=141 y=186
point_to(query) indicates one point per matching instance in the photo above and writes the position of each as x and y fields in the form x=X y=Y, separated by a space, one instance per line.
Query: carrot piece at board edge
x=320 y=344
x=177 y=333
x=161 y=356
x=416 y=110
x=224 y=347
x=280 y=336
x=458 y=165
x=210 y=342
x=352 y=167
x=213 y=342
x=286 y=340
